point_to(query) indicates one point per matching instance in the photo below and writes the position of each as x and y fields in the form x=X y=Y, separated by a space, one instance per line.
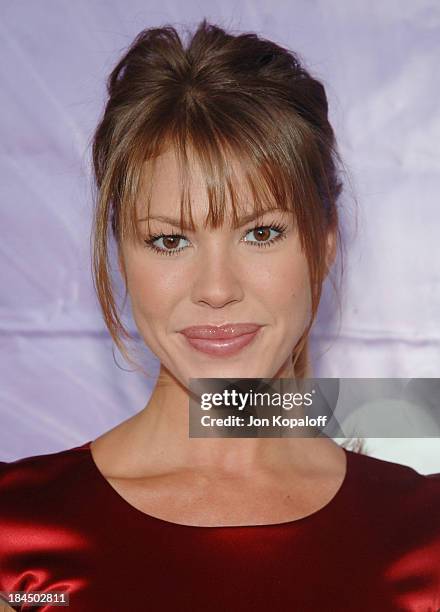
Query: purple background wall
x=60 y=385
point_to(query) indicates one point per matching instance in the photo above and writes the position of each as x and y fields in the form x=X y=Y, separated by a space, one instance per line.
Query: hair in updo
x=221 y=97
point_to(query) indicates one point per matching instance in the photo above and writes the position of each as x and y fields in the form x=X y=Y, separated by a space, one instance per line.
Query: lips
x=223 y=332
x=223 y=341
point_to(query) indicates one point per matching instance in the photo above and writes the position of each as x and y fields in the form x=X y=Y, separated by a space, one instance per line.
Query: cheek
x=284 y=285
x=153 y=291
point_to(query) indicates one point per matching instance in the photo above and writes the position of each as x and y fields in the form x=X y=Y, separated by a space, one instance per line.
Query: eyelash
x=278 y=227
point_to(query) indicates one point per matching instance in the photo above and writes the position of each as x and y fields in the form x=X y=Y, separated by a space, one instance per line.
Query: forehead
x=161 y=185
x=163 y=176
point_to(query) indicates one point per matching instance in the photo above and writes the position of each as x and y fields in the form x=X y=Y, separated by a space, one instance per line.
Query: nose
x=218 y=279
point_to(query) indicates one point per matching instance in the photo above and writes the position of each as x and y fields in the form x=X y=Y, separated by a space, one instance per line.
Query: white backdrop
x=60 y=385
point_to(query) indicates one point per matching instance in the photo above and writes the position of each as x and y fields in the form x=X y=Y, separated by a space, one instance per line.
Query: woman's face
x=213 y=277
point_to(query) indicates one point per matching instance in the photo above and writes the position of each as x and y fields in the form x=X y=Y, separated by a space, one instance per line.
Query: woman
x=216 y=170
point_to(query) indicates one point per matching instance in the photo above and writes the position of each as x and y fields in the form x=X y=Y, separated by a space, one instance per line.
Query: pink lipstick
x=228 y=339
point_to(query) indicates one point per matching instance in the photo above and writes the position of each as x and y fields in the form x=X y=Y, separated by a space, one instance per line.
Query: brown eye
x=263 y=236
x=262 y=233
x=171 y=242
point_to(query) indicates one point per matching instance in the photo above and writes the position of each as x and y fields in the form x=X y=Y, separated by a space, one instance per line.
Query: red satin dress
x=374 y=547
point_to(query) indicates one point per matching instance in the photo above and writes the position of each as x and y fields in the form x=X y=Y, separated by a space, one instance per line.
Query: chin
x=230 y=371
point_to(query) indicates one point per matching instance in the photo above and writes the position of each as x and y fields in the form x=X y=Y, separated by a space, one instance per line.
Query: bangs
x=246 y=169
x=242 y=113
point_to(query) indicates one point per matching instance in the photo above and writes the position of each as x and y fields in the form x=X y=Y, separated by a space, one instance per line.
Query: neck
x=158 y=438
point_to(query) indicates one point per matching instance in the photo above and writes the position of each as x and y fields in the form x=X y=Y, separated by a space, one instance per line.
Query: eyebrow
x=241 y=221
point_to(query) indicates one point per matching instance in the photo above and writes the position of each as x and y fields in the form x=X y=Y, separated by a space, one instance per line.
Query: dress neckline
x=116 y=498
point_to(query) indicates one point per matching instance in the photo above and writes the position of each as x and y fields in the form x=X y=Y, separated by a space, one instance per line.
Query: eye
x=171 y=241
x=263 y=234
